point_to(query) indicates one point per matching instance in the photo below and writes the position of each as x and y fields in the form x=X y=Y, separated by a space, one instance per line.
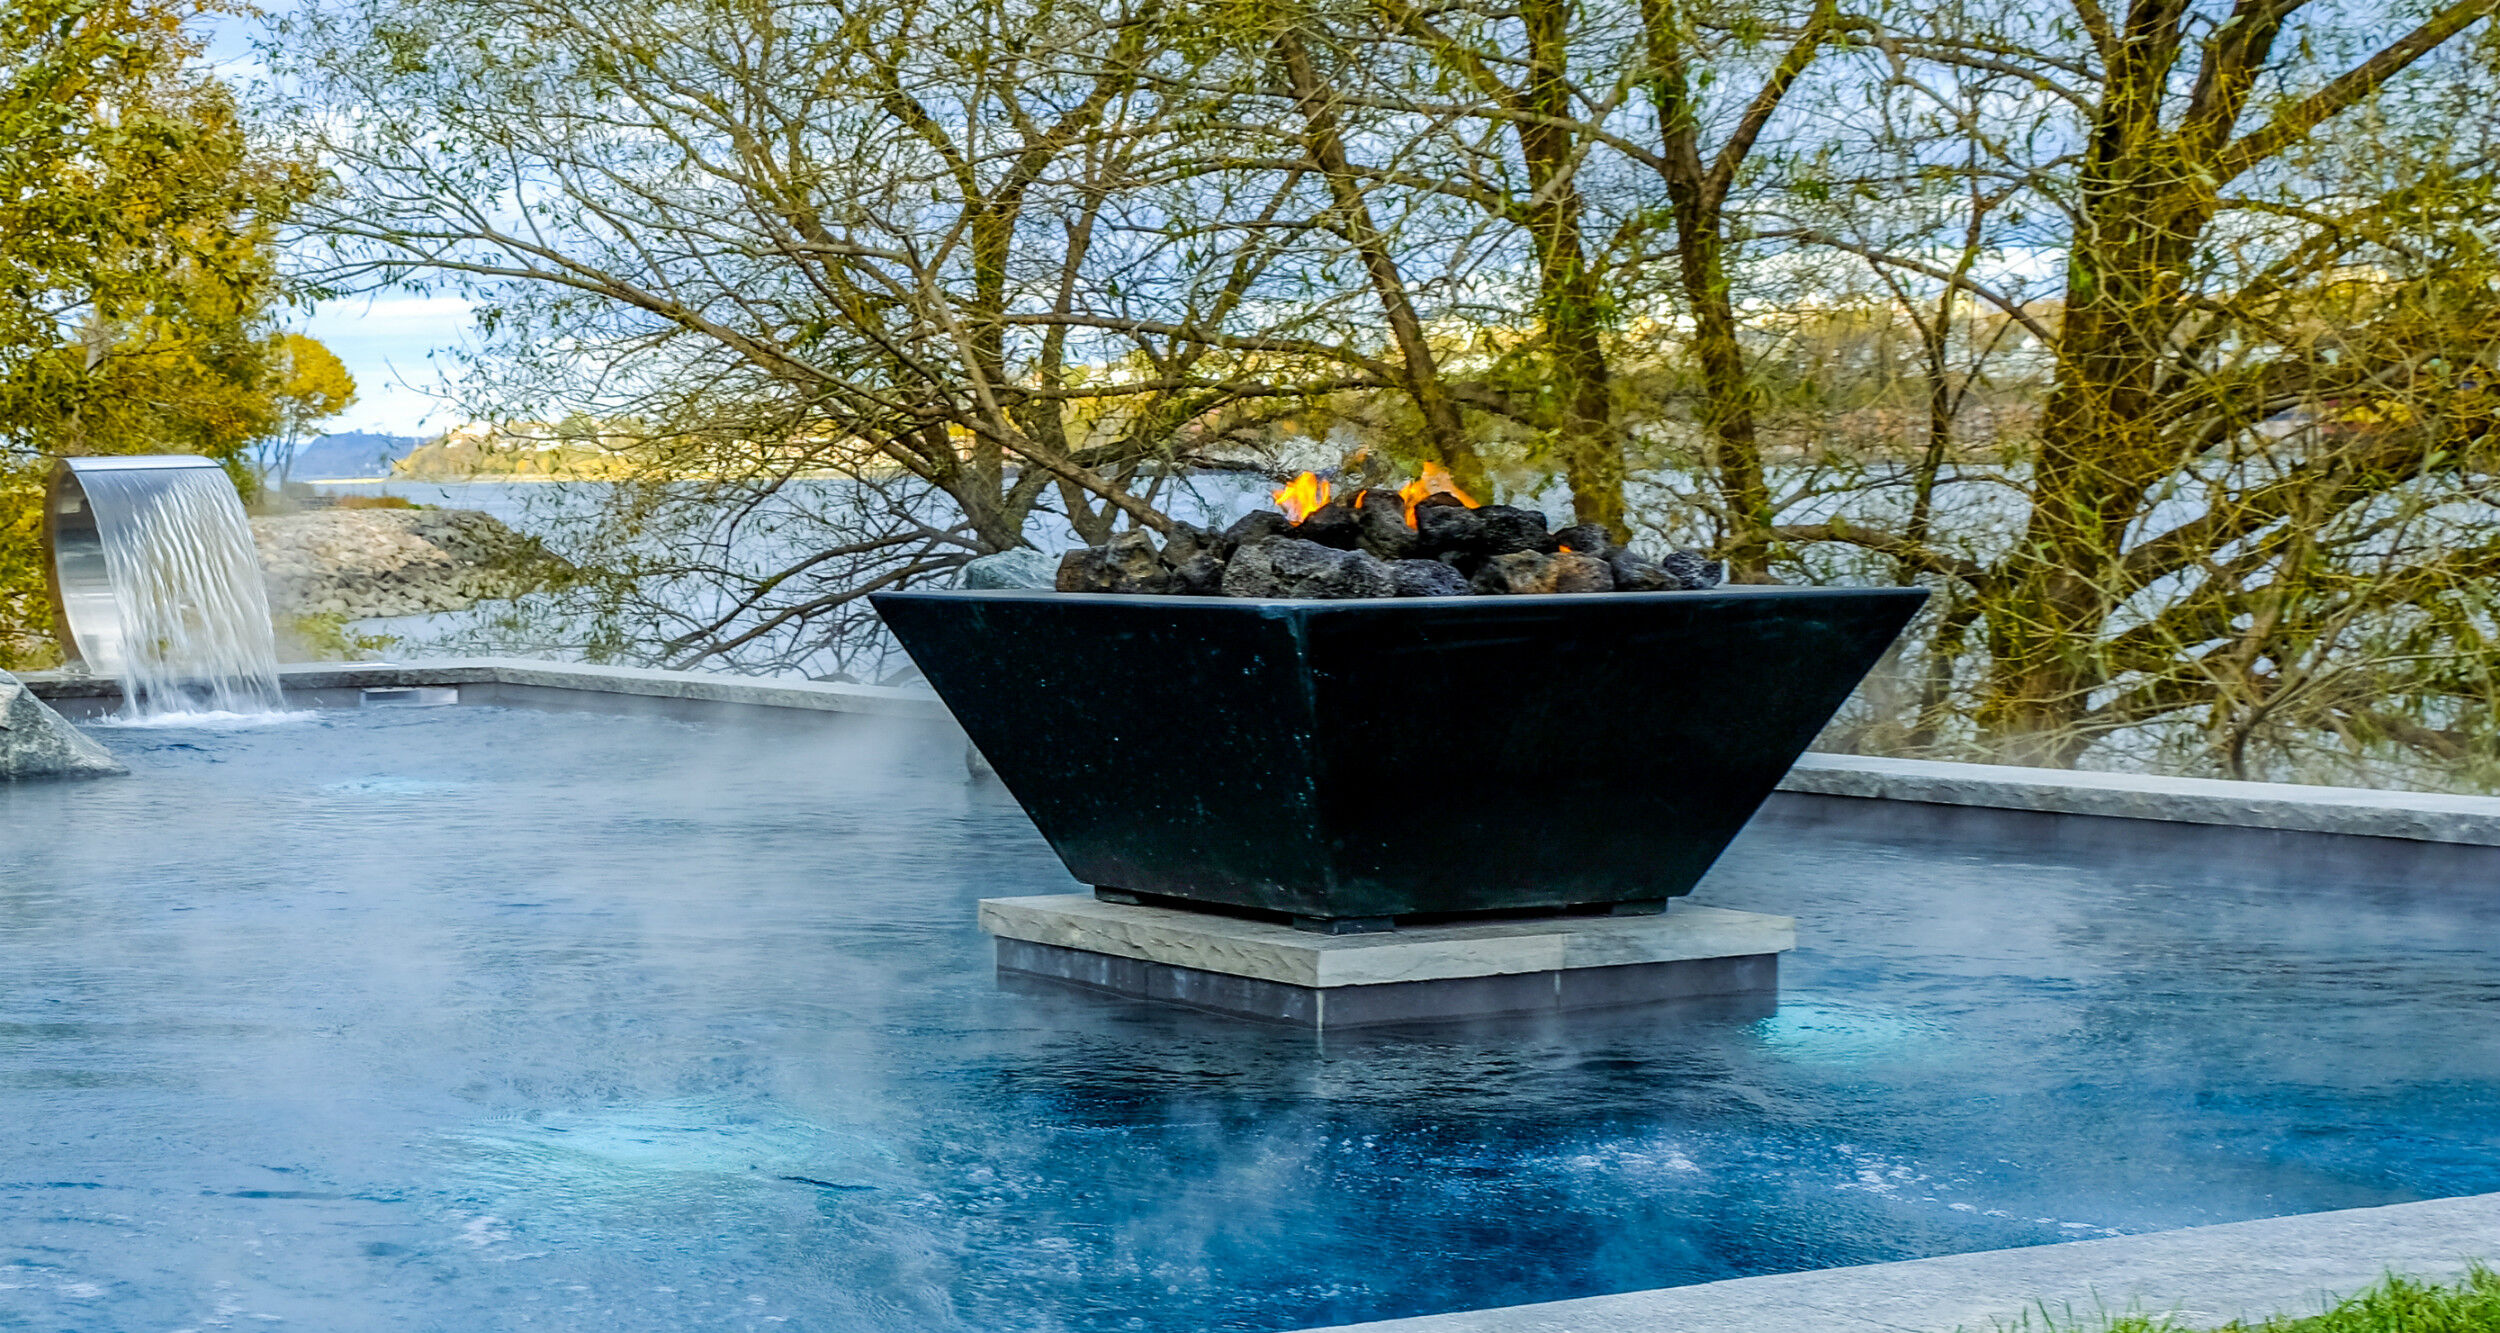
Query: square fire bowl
x=1363 y=762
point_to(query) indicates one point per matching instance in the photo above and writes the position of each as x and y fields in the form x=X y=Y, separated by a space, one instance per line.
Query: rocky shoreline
x=357 y=564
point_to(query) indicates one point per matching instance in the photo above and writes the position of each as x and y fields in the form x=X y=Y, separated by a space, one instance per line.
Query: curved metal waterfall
x=155 y=581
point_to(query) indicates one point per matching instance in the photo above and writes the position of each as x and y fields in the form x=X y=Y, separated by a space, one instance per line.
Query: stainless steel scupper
x=89 y=618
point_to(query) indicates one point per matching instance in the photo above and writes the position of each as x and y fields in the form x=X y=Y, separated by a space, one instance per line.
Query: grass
x=2397 y=1305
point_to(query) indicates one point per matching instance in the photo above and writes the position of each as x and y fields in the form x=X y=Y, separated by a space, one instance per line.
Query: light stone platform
x=2201 y=1277
x=1271 y=971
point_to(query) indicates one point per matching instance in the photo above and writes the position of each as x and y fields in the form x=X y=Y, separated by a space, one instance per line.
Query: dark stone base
x=1395 y=1002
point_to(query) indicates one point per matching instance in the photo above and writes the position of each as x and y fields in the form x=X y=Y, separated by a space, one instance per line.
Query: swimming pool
x=472 y=1018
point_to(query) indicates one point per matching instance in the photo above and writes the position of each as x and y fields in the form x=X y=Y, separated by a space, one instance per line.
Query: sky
x=387 y=341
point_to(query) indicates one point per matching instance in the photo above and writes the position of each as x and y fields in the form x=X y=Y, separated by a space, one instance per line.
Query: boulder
x=36 y=742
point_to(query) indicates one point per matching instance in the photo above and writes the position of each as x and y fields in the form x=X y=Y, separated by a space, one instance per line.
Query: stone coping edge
x=2352 y=811
x=1272 y=952
x=2357 y=811
x=2202 y=1277
x=643 y=682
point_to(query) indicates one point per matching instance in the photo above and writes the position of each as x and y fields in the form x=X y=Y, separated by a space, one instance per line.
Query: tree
x=2257 y=499
x=308 y=385
x=137 y=261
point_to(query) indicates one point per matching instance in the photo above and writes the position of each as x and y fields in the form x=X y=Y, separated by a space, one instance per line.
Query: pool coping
x=2202 y=1277
x=2419 y=817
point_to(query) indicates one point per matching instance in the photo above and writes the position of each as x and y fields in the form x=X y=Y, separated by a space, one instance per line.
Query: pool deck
x=2202 y=1277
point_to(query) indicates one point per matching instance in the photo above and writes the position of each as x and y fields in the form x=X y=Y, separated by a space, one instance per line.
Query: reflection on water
x=478 y=1019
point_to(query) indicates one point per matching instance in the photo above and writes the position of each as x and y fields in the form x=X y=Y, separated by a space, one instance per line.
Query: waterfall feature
x=156 y=582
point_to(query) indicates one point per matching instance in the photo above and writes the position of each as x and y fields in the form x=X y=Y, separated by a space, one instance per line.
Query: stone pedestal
x=1264 y=970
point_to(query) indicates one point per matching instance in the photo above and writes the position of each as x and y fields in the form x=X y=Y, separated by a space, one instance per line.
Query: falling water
x=195 y=634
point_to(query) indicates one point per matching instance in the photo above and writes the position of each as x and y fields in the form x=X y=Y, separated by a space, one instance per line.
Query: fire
x=1435 y=481
x=1304 y=497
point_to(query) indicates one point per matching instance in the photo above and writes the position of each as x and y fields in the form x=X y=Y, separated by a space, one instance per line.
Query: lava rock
x=1019 y=568
x=1080 y=570
x=1584 y=539
x=1202 y=575
x=1635 y=573
x=1692 y=571
x=1450 y=529
x=1292 y=567
x=1252 y=570
x=1385 y=533
x=1255 y=526
x=36 y=742
x=1427 y=578
x=1183 y=543
x=1332 y=524
x=1508 y=529
x=1362 y=575
x=1126 y=563
x=1515 y=572
x=1572 y=571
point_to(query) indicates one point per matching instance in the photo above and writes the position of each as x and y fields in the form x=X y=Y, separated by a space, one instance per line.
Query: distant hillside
x=352 y=455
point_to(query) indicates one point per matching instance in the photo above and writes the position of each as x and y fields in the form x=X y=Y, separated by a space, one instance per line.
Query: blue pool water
x=469 y=1019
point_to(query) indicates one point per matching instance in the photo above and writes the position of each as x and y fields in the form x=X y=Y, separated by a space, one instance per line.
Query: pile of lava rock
x=1366 y=548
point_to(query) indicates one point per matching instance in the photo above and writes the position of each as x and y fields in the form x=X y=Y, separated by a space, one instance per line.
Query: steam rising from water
x=194 y=616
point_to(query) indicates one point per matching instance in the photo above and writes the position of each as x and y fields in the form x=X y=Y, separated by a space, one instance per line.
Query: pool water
x=475 y=1018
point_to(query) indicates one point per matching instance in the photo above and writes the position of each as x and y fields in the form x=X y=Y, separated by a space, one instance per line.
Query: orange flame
x=1435 y=481
x=1303 y=498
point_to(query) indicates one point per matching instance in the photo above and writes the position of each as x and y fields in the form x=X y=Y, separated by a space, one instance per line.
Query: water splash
x=194 y=617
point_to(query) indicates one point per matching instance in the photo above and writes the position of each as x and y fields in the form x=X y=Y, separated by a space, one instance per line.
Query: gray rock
x=1692 y=571
x=1020 y=568
x=1426 y=578
x=36 y=742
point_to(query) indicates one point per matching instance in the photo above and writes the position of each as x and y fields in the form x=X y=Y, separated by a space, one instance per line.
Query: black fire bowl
x=1350 y=763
